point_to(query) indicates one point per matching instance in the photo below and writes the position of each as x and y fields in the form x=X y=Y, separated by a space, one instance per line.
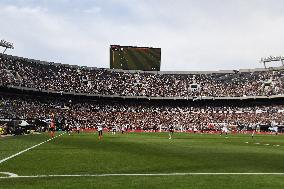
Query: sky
x=193 y=34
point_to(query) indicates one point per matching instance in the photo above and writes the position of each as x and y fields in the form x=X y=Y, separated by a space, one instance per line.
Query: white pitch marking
x=10 y=157
x=266 y=144
x=257 y=143
x=9 y=174
x=246 y=142
x=136 y=174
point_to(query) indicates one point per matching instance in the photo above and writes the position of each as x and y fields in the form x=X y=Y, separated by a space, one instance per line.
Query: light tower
x=272 y=59
x=6 y=45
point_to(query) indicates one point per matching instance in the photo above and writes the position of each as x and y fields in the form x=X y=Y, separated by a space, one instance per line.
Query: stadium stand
x=31 y=74
x=140 y=115
x=33 y=90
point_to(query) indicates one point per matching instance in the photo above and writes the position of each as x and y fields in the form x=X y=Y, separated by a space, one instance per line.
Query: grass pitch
x=143 y=153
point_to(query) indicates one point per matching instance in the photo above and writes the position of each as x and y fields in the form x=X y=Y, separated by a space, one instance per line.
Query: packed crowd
x=141 y=116
x=64 y=78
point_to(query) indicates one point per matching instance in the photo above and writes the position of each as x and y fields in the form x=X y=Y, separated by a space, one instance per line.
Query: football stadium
x=133 y=123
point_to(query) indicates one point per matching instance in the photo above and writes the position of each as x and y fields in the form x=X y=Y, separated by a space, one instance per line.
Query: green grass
x=134 y=59
x=144 y=153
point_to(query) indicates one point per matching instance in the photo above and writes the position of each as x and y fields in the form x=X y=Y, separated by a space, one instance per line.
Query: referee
x=171 y=131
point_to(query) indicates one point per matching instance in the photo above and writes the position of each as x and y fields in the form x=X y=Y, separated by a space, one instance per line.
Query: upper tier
x=21 y=72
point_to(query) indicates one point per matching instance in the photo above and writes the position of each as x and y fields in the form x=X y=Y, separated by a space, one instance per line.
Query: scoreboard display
x=135 y=58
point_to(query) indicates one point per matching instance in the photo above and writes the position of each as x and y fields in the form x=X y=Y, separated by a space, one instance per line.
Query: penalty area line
x=23 y=151
x=11 y=175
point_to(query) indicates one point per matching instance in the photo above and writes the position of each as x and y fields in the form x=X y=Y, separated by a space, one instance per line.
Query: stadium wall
x=209 y=100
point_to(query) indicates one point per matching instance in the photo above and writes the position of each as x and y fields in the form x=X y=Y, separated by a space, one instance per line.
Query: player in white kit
x=100 y=131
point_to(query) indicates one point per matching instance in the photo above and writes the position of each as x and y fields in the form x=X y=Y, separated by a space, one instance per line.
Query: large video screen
x=135 y=58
